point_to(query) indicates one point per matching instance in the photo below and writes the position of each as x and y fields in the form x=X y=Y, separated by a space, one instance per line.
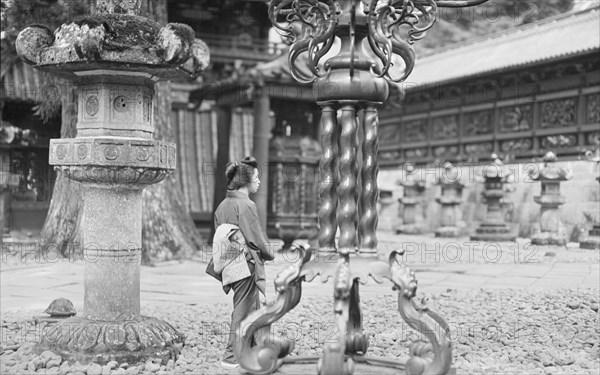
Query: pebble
x=64 y=368
x=112 y=365
x=152 y=367
x=94 y=369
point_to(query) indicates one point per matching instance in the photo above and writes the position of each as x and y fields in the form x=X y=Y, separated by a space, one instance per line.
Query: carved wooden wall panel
x=516 y=145
x=551 y=142
x=389 y=135
x=558 y=113
x=444 y=127
x=515 y=118
x=593 y=109
x=478 y=123
x=415 y=130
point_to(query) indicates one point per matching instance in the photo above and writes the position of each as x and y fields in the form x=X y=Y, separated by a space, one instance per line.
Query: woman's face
x=254 y=183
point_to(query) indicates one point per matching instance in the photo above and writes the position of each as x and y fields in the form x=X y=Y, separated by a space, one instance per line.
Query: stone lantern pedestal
x=493 y=227
x=551 y=230
x=450 y=199
x=412 y=222
x=592 y=241
x=113 y=58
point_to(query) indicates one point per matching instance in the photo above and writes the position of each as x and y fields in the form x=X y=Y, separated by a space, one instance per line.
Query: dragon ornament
x=426 y=358
x=266 y=357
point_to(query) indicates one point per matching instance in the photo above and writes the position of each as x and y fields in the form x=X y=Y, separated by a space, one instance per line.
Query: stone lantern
x=414 y=186
x=592 y=240
x=113 y=57
x=551 y=230
x=450 y=198
x=493 y=227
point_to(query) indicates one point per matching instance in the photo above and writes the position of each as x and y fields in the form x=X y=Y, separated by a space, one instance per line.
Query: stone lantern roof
x=450 y=176
x=551 y=172
x=115 y=37
x=411 y=178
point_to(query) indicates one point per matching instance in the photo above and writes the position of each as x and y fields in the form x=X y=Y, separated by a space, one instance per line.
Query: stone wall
x=582 y=193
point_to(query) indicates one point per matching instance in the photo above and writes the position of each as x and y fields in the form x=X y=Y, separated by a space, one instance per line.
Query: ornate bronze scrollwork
x=266 y=357
x=426 y=358
x=334 y=354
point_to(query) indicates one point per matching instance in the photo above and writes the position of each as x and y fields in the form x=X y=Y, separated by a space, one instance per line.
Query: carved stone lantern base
x=415 y=228
x=592 y=242
x=491 y=232
x=130 y=341
x=447 y=232
x=550 y=238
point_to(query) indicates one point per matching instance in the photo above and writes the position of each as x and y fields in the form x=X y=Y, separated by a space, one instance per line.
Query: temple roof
x=563 y=36
x=278 y=68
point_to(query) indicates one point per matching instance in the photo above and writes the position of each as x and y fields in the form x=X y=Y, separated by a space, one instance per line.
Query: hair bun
x=251 y=161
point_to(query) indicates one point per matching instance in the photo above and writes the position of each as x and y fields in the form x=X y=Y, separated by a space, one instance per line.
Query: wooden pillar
x=262 y=132
x=223 y=133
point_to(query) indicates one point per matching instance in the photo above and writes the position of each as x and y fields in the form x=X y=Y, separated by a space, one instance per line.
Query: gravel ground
x=499 y=332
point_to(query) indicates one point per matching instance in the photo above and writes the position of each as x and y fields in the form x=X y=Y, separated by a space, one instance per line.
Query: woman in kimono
x=238 y=209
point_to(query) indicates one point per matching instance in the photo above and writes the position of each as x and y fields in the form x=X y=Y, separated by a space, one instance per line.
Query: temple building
x=519 y=94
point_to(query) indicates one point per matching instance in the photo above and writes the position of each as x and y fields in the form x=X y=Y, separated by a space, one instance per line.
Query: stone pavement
x=33 y=285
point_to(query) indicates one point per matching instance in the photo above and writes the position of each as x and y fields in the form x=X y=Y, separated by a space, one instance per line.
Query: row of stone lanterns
x=494 y=227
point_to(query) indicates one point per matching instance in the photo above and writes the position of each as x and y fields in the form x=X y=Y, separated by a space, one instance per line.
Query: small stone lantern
x=493 y=227
x=551 y=230
x=592 y=240
x=450 y=199
x=113 y=57
x=414 y=186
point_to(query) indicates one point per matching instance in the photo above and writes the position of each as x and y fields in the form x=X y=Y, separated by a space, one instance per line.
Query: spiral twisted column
x=327 y=186
x=369 y=192
x=346 y=191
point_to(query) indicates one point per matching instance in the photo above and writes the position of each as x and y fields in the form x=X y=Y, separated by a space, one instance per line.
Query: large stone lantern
x=350 y=51
x=113 y=57
x=551 y=230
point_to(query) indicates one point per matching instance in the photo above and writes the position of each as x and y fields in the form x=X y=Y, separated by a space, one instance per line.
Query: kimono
x=239 y=210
